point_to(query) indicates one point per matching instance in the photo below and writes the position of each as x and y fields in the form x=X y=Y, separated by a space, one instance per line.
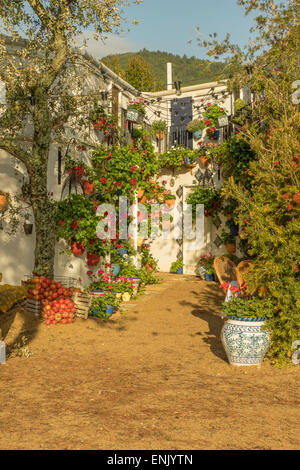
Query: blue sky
x=168 y=25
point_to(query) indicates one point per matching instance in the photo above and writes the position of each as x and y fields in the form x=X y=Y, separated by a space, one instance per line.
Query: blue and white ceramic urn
x=244 y=340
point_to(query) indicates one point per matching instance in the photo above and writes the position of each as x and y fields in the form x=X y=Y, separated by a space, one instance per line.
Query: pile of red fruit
x=58 y=311
x=57 y=305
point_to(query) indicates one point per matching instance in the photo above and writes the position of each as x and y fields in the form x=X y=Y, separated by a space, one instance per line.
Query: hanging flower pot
x=4 y=197
x=27 y=228
x=88 y=187
x=231 y=247
x=77 y=248
x=160 y=135
x=170 y=202
x=204 y=160
x=197 y=134
x=140 y=193
x=142 y=200
x=92 y=259
x=209 y=277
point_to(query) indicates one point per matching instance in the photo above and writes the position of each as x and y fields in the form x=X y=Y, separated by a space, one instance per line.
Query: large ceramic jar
x=244 y=340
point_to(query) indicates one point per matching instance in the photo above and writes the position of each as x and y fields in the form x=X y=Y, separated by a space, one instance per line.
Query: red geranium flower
x=74 y=224
x=62 y=222
x=103 y=180
x=133 y=181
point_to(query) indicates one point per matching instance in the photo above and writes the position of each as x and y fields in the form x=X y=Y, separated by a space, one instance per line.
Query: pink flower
x=103 y=180
x=89 y=273
x=100 y=271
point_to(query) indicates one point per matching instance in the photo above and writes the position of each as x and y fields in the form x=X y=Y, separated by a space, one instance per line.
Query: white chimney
x=169 y=76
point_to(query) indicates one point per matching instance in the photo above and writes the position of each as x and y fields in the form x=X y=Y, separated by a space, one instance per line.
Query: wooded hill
x=189 y=70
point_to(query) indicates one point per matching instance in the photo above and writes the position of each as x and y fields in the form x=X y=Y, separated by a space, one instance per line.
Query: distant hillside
x=190 y=71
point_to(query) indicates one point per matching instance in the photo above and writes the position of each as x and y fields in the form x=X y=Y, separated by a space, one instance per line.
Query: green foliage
x=99 y=303
x=210 y=197
x=243 y=307
x=139 y=74
x=212 y=113
x=175 y=266
x=195 y=125
x=227 y=238
x=268 y=207
x=137 y=105
x=206 y=261
x=159 y=126
x=190 y=71
x=176 y=157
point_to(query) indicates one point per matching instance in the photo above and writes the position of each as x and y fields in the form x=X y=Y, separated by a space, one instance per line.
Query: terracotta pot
x=143 y=200
x=92 y=259
x=3 y=201
x=204 y=160
x=88 y=187
x=170 y=202
x=140 y=193
x=160 y=135
x=231 y=247
x=28 y=228
x=77 y=248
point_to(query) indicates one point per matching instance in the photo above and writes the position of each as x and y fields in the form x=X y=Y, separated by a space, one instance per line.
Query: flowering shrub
x=137 y=104
x=210 y=197
x=176 y=157
x=207 y=261
x=243 y=307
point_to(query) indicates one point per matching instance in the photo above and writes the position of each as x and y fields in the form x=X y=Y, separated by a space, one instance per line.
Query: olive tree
x=36 y=49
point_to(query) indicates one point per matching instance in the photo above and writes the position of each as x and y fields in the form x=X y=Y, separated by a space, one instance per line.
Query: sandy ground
x=154 y=378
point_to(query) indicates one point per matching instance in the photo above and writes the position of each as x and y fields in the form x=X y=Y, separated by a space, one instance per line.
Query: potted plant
x=4 y=197
x=195 y=127
x=103 y=305
x=229 y=241
x=77 y=248
x=177 y=267
x=210 y=197
x=169 y=198
x=136 y=111
x=206 y=261
x=244 y=336
x=159 y=129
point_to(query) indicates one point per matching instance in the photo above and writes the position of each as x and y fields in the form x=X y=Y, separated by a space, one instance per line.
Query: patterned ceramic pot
x=244 y=340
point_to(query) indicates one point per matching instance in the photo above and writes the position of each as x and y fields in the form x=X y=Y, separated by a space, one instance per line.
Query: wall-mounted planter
x=28 y=228
x=4 y=197
x=77 y=249
x=160 y=135
x=197 y=134
x=92 y=259
x=134 y=115
x=231 y=247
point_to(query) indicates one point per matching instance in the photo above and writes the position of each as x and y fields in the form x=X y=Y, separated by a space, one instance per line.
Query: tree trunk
x=43 y=209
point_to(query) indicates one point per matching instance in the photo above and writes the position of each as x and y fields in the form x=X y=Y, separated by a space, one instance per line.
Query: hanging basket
x=92 y=259
x=77 y=249
x=160 y=135
x=204 y=160
x=28 y=228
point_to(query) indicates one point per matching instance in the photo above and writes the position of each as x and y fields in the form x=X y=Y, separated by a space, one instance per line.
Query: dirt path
x=155 y=378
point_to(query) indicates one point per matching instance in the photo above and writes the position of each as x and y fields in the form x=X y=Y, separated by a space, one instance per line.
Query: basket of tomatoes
x=58 y=311
x=43 y=292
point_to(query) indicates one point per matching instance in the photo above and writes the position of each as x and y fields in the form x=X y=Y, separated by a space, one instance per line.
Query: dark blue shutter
x=181 y=114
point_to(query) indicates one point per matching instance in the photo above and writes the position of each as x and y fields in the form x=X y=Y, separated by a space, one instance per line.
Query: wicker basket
x=82 y=303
